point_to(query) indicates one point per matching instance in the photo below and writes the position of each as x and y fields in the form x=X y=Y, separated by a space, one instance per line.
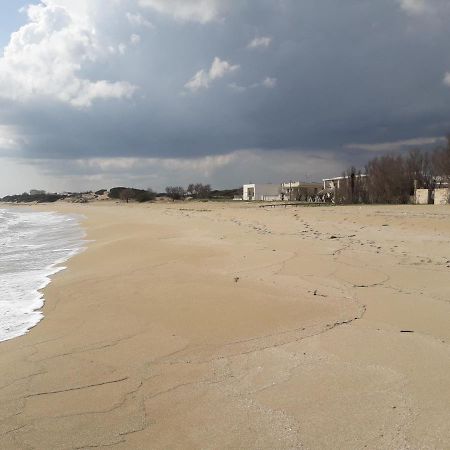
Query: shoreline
x=54 y=252
x=226 y=326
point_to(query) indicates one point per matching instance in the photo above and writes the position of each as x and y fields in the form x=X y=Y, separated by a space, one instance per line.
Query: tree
x=199 y=191
x=418 y=170
x=127 y=194
x=441 y=162
x=145 y=196
x=175 y=192
x=115 y=192
x=352 y=188
x=388 y=180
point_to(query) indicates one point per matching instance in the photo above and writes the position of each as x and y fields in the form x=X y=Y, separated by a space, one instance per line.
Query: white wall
x=441 y=196
x=263 y=192
x=245 y=191
x=422 y=196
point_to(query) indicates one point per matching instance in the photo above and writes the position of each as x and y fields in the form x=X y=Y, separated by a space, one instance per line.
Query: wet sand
x=229 y=326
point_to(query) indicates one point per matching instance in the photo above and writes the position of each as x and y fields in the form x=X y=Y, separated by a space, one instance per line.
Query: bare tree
x=199 y=191
x=388 y=180
x=394 y=178
x=418 y=170
x=352 y=188
x=175 y=192
x=441 y=162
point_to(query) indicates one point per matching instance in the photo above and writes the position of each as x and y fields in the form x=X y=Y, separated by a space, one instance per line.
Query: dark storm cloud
x=346 y=72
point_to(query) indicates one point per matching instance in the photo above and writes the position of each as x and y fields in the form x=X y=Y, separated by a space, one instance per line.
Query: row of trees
x=393 y=178
x=197 y=191
x=202 y=192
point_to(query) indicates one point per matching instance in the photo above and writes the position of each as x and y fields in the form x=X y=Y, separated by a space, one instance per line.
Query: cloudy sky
x=96 y=93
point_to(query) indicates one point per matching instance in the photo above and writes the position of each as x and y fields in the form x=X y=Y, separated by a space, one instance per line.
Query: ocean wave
x=33 y=246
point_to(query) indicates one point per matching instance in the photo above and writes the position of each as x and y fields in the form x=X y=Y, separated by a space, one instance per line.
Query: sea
x=33 y=246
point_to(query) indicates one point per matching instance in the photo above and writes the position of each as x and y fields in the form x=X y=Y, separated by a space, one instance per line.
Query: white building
x=262 y=192
x=300 y=190
x=335 y=183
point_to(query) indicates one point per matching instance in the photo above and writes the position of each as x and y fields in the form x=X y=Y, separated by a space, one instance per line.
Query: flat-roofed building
x=262 y=192
x=335 y=183
x=300 y=190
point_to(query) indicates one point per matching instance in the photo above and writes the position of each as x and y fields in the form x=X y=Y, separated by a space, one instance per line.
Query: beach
x=203 y=325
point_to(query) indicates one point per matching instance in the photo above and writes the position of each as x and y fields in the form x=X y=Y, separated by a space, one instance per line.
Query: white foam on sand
x=33 y=246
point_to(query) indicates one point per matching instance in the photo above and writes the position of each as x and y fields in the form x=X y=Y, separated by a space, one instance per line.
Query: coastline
x=231 y=326
x=37 y=245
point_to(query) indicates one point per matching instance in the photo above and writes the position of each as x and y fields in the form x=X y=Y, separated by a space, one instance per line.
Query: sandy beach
x=230 y=326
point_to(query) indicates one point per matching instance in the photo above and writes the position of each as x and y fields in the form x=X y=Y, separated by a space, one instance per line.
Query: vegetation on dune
x=28 y=198
x=200 y=191
x=196 y=191
x=175 y=192
x=128 y=194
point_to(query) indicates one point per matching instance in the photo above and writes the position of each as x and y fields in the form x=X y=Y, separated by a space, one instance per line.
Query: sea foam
x=33 y=246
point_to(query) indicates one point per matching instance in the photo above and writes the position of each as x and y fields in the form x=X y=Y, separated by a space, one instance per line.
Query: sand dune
x=229 y=326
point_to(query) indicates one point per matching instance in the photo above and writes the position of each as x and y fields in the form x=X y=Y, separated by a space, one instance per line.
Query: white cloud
x=220 y=68
x=436 y=9
x=414 y=6
x=237 y=87
x=447 y=79
x=9 y=139
x=135 y=39
x=199 y=81
x=138 y=20
x=45 y=57
x=269 y=83
x=396 y=145
x=121 y=48
x=202 y=79
x=202 y=11
x=87 y=91
x=260 y=42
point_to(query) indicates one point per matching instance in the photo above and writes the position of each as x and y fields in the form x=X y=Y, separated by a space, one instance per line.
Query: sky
x=151 y=93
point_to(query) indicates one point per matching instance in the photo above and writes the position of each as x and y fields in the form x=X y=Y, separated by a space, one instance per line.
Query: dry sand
x=229 y=326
